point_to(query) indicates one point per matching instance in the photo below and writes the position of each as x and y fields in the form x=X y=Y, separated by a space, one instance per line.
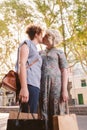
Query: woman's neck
x=35 y=41
x=49 y=47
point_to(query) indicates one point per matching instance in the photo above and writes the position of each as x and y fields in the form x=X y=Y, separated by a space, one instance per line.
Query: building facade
x=78 y=86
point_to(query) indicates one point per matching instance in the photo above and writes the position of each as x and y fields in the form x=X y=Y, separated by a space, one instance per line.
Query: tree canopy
x=70 y=17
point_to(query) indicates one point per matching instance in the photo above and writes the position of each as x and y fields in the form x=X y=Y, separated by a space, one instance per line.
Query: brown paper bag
x=24 y=121
x=65 y=122
x=14 y=114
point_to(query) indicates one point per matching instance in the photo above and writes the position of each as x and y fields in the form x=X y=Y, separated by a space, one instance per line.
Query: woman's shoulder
x=25 y=42
x=59 y=51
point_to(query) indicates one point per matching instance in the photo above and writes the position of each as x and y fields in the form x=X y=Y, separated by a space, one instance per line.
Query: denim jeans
x=32 y=105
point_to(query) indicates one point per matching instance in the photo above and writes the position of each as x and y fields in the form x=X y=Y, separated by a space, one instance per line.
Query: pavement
x=81 y=120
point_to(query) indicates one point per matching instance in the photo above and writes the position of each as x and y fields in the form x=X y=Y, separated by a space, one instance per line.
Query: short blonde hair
x=56 y=35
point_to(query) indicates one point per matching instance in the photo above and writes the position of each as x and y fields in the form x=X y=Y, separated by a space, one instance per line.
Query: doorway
x=80 y=99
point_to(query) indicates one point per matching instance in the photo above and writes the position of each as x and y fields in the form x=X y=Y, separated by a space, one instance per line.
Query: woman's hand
x=24 y=95
x=64 y=95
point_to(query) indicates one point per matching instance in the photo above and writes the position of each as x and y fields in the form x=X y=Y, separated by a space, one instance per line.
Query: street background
x=82 y=121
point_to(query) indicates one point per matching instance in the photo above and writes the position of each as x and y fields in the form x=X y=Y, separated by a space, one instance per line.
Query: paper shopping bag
x=14 y=114
x=24 y=121
x=65 y=122
x=25 y=124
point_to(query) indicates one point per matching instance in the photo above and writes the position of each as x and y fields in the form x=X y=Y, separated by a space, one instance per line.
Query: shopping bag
x=24 y=121
x=65 y=122
x=14 y=114
x=25 y=124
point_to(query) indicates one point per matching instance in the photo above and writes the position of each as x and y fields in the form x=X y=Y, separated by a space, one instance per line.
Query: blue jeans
x=32 y=105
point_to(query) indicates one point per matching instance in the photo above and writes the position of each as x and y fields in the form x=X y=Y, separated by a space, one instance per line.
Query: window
x=83 y=83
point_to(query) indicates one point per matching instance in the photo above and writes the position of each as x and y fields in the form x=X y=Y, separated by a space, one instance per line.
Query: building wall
x=77 y=88
x=75 y=92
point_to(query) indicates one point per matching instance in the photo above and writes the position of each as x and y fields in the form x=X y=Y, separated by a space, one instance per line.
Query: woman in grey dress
x=54 y=76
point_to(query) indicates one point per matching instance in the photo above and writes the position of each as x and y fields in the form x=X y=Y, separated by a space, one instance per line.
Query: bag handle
x=29 y=65
x=19 y=111
x=62 y=107
x=67 y=107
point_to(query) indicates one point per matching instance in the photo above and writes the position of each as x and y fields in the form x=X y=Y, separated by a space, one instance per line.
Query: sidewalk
x=82 y=121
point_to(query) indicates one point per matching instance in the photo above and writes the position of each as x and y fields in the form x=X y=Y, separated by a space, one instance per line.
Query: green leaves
x=70 y=17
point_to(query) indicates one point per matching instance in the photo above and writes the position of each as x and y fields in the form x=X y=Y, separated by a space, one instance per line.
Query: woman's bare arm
x=64 y=92
x=23 y=56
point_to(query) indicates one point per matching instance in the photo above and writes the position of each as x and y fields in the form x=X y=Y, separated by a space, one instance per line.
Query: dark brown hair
x=31 y=30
